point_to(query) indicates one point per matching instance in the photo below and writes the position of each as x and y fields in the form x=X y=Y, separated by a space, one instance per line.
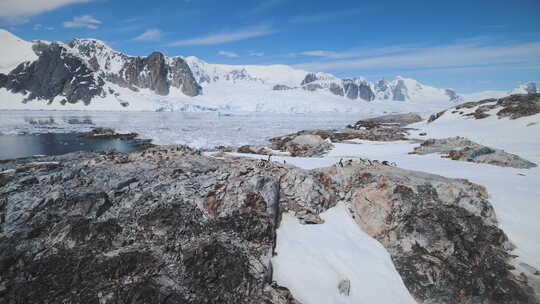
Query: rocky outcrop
x=57 y=73
x=170 y=225
x=155 y=72
x=513 y=107
x=441 y=233
x=281 y=87
x=107 y=133
x=357 y=88
x=459 y=148
x=399 y=91
x=303 y=143
x=164 y=225
x=79 y=71
x=398 y=120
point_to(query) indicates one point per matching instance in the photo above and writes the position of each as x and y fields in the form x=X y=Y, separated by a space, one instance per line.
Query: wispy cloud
x=38 y=27
x=256 y=54
x=149 y=35
x=356 y=53
x=228 y=54
x=326 y=16
x=225 y=37
x=444 y=56
x=18 y=11
x=85 y=21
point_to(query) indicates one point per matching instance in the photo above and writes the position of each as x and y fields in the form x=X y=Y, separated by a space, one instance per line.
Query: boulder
x=462 y=149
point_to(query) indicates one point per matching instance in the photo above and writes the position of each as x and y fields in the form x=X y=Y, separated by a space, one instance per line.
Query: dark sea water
x=15 y=146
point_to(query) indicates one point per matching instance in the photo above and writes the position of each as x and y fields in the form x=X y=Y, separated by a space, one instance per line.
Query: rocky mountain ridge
x=89 y=71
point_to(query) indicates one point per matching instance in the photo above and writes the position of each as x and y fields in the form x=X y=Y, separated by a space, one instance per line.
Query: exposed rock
x=312 y=87
x=514 y=107
x=170 y=225
x=281 y=87
x=56 y=73
x=344 y=287
x=118 y=228
x=441 y=233
x=336 y=89
x=400 y=91
x=310 y=77
x=108 y=133
x=155 y=72
x=400 y=120
x=302 y=144
x=459 y=148
x=246 y=149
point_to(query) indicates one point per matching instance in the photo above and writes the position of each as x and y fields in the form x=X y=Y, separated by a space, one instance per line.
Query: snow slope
x=312 y=260
x=13 y=51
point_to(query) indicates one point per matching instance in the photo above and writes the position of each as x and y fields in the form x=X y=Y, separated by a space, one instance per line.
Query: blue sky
x=465 y=45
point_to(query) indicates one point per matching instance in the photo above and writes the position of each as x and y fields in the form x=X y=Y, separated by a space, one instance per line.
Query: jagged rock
x=351 y=89
x=400 y=120
x=181 y=77
x=400 y=91
x=312 y=87
x=344 y=287
x=336 y=89
x=56 y=73
x=281 y=87
x=303 y=145
x=155 y=72
x=310 y=77
x=514 y=107
x=441 y=233
x=108 y=133
x=385 y=128
x=171 y=225
x=164 y=225
x=246 y=149
x=459 y=148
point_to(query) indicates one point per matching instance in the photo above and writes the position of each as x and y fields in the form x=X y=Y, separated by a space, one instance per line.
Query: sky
x=461 y=44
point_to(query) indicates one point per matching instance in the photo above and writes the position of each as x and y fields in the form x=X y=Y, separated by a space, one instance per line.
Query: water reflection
x=14 y=146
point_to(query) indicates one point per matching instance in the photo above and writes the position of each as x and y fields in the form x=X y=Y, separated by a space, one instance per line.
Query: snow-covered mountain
x=13 y=51
x=88 y=74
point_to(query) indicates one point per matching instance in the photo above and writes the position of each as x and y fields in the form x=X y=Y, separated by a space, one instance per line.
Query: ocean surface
x=197 y=130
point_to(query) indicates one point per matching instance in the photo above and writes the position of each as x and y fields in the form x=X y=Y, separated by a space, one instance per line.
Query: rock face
x=281 y=87
x=169 y=225
x=513 y=107
x=302 y=144
x=81 y=69
x=357 y=88
x=166 y=226
x=56 y=73
x=400 y=91
x=459 y=148
x=441 y=233
x=155 y=72
x=399 y=120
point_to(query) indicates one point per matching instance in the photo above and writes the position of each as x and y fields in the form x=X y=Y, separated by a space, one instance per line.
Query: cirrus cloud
x=451 y=56
x=228 y=54
x=226 y=37
x=149 y=35
x=85 y=21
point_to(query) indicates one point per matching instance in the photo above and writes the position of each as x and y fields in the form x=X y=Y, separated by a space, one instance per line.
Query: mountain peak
x=14 y=51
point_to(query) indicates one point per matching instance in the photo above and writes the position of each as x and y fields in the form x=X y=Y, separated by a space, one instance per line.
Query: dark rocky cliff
x=79 y=71
x=56 y=73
